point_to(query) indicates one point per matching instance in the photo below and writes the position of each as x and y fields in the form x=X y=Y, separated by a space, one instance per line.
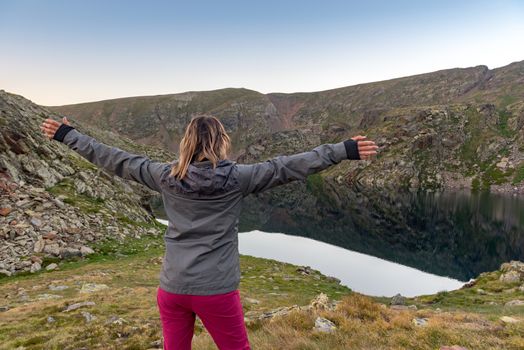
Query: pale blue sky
x=59 y=52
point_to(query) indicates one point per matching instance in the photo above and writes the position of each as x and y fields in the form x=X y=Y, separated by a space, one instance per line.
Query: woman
x=202 y=195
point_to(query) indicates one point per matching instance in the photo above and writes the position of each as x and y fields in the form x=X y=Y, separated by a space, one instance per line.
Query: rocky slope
x=53 y=203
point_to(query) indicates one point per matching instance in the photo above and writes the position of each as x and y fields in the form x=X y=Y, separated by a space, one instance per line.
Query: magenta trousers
x=221 y=314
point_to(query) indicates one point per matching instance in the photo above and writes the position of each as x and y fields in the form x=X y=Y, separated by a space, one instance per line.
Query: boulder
x=324 y=325
x=421 y=322
x=52 y=249
x=398 y=300
x=85 y=250
x=51 y=267
x=507 y=319
x=515 y=303
x=78 y=305
x=35 y=267
x=510 y=277
x=69 y=252
x=320 y=302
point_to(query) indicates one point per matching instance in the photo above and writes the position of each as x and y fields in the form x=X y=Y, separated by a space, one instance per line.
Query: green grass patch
x=502 y=124
x=492 y=175
x=84 y=202
x=80 y=162
x=468 y=150
x=518 y=175
x=475 y=184
x=506 y=100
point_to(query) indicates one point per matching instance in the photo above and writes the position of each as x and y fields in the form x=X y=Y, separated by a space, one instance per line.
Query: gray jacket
x=203 y=209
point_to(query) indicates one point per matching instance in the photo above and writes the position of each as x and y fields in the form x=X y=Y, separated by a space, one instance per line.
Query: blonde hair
x=205 y=137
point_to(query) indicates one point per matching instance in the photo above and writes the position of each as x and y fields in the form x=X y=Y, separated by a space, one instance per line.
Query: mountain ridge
x=415 y=113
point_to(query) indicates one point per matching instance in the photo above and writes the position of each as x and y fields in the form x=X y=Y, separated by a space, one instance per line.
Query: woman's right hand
x=50 y=126
x=366 y=149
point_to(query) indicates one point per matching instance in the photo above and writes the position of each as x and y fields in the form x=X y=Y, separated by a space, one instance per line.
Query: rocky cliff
x=53 y=203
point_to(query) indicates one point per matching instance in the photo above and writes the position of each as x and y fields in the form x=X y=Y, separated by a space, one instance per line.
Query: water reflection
x=360 y=272
x=456 y=234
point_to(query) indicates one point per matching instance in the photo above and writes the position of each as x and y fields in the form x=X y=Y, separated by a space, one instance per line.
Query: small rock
x=46 y=296
x=116 y=320
x=50 y=235
x=36 y=222
x=39 y=246
x=5 y=211
x=507 y=319
x=69 y=252
x=58 y=203
x=420 y=321
x=398 y=300
x=57 y=288
x=305 y=270
x=470 y=284
x=52 y=249
x=50 y=319
x=51 y=267
x=84 y=250
x=156 y=343
x=514 y=303
x=78 y=305
x=37 y=259
x=36 y=267
x=5 y=272
x=252 y=301
x=324 y=325
x=92 y=287
x=89 y=317
x=333 y=279
x=4 y=308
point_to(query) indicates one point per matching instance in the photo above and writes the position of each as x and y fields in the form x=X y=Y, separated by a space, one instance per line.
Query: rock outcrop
x=53 y=203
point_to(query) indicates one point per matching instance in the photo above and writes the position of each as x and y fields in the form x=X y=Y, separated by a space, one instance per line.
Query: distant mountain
x=450 y=128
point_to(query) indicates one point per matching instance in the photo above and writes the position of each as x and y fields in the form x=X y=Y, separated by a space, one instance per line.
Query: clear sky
x=67 y=51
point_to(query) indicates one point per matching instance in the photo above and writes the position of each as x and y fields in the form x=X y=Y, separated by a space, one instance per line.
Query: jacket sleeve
x=114 y=160
x=280 y=170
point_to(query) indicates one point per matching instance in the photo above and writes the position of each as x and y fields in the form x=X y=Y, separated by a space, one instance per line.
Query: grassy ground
x=127 y=316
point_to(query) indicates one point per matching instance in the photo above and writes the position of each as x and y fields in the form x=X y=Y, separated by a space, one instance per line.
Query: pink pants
x=221 y=314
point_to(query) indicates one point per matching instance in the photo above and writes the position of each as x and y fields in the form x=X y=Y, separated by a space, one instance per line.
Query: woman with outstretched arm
x=202 y=194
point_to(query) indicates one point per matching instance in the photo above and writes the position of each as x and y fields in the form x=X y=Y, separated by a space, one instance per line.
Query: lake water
x=411 y=244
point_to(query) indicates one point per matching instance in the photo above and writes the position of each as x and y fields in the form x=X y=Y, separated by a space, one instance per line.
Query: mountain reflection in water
x=452 y=234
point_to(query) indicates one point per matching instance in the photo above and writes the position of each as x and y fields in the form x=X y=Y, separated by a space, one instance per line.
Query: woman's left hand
x=50 y=126
x=366 y=149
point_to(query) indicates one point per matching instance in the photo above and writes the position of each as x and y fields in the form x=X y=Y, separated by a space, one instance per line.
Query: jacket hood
x=201 y=179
